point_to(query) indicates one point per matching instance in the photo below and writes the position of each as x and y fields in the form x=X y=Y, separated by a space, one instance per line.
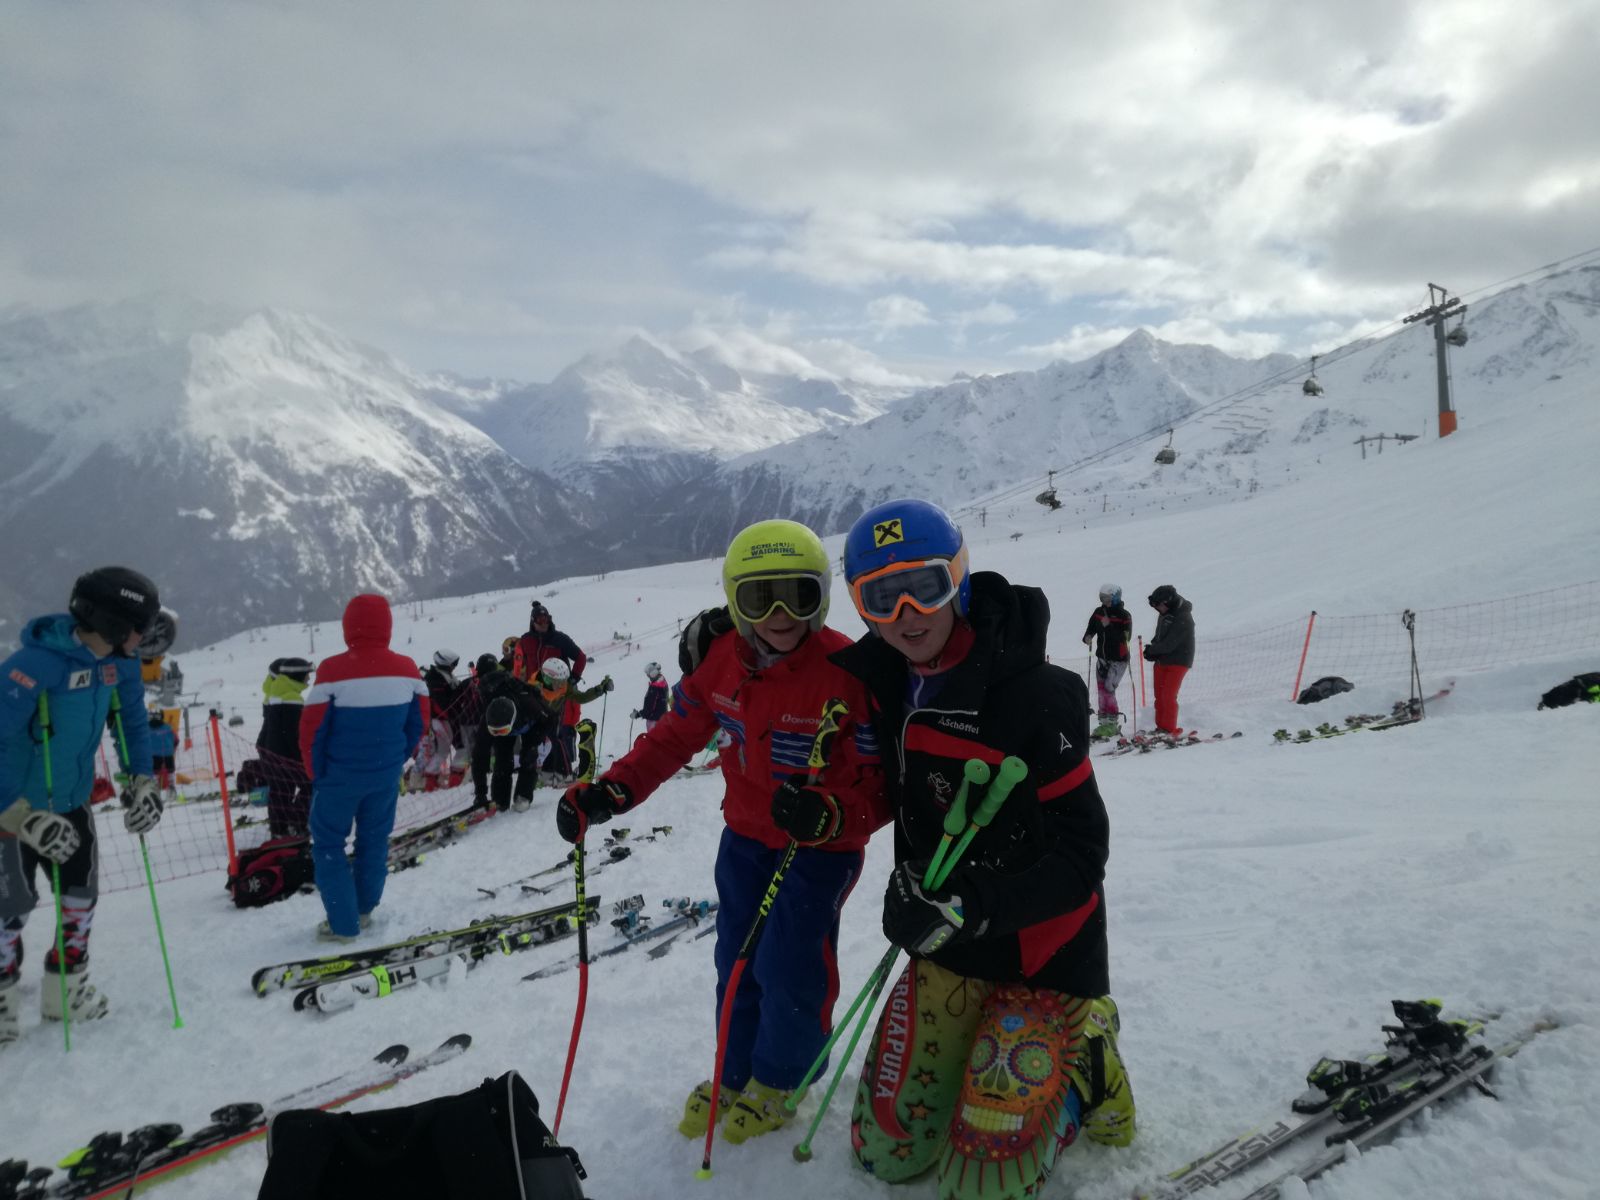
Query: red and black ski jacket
x=1111 y=626
x=1035 y=875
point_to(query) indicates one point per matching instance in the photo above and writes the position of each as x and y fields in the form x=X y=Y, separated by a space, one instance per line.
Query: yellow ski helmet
x=776 y=564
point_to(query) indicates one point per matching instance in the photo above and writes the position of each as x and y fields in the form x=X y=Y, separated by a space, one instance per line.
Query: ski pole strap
x=976 y=771
x=1012 y=772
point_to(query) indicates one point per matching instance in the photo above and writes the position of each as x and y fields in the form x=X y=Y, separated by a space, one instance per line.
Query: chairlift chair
x=1048 y=499
x=1167 y=455
x=1311 y=387
x=1458 y=335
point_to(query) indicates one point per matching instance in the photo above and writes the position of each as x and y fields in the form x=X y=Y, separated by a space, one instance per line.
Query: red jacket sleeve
x=661 y=752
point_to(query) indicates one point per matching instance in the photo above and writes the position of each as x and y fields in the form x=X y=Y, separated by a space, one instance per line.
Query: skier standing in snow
x=764 y=681
x=474 y=699
x=75 y=672
x=1172 y=652
x=1109 y=630
x=519 y=717
x=654 y=705
x=363 y=718
x=542 y=642
x=998 y=1043
x=278 y=745
x=163 y=751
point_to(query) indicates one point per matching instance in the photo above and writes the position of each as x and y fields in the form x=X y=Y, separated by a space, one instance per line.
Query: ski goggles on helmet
x=798 y=595
x=927 y=585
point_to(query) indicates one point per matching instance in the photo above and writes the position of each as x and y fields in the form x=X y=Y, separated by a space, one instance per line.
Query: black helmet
x=298 y=669
x=1165 y=594
x=487 y=663
x=500 y=716
x=114 y=602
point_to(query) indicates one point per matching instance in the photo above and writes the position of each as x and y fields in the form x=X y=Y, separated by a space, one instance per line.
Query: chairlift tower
x=1441 y=307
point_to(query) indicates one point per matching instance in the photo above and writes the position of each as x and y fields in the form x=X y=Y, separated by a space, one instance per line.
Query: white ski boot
x=83 y=1002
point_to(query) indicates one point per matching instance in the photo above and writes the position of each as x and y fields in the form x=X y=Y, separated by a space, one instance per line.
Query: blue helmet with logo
x=899 y=535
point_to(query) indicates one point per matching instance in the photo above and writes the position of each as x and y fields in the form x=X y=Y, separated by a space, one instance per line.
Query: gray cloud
x=496 y=186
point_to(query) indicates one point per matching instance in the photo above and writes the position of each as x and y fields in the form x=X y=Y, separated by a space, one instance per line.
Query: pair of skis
x=1351 y=1103
x=299 y=972
x=687 y=914
x=406 y=849
x=116 y=1163
x=1144 y=742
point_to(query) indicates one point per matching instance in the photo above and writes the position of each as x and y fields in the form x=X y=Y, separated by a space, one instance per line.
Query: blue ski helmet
x=908 y=531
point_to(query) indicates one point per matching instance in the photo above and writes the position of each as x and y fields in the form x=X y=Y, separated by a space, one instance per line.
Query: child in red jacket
x=764 y=685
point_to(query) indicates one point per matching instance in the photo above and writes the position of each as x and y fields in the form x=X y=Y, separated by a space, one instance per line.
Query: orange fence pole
x=222 y=785
x=1295 y=695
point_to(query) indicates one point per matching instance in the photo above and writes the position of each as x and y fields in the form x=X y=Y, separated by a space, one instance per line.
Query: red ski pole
x=583 y=943
x=816 y=762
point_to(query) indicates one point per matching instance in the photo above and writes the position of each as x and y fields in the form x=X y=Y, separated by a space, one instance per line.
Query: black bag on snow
x=1321 y=689
x=1579 y=687
x=486 y=1144
x=272 y=871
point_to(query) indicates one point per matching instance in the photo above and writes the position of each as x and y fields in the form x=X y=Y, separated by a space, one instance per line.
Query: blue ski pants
x=351 y=886
x=783 y=1012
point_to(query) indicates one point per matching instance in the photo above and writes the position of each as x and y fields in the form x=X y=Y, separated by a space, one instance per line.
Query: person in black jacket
x=1109 y=629
x=278 y=744
x=1172 y=651
x=998 y=1043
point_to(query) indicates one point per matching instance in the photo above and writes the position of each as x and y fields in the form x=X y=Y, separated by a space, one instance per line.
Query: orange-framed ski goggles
x=927 y=585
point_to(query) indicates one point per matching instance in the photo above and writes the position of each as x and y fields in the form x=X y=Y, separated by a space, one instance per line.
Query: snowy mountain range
x=267 y=467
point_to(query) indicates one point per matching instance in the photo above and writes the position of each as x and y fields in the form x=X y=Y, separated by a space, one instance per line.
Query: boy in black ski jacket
x=1010 y=954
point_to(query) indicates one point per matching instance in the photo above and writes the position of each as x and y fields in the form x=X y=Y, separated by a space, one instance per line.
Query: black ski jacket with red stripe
x=1033 y=879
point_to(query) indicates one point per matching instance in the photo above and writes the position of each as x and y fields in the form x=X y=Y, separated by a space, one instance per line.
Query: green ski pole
x=149 y=875
x=1012 y=772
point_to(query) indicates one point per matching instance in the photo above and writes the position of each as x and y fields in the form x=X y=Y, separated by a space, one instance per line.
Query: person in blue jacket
x=75 y=672
x=163 y=750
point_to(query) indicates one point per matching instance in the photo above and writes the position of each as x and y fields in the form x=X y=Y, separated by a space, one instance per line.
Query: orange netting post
x=1304 y=650
x=222 y=785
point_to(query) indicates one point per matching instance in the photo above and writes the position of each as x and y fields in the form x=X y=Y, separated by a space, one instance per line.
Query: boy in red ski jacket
x=764 y=685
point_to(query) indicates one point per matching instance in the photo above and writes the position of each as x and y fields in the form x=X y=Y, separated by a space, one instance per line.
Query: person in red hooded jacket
x=362 y=720
x=764 y=683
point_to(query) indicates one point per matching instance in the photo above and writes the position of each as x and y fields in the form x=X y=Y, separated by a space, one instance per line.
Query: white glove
x=49 y=836
x=141 y=805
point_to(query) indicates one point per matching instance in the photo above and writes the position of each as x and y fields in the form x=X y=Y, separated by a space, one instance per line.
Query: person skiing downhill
x=1109 y=630
x=999 y=1043
x=74 y=672
x=654 y=705
x=765 y=681
x=1172 y=651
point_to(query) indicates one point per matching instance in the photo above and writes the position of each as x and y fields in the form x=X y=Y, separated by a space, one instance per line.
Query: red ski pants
x=1168 y=680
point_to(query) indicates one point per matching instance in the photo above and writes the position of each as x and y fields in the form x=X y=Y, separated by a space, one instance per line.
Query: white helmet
x=555 y=670
x=446 y=660
x=1110 y=593
x=653 y=670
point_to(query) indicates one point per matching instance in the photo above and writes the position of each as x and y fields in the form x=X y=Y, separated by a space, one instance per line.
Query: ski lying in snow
x=314 y=970
x=376 y=982
x=406 y=849
x=1145 y=741
x=687 y=915
x=1345 y=1102
x=117 y=1164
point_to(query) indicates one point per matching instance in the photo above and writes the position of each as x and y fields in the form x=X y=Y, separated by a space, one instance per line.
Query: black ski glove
x=634 y=715
x=922 y=922
x=584 y=804
x=1149 y=654
x=808 y=815
x=607 y=685
x=695 y=641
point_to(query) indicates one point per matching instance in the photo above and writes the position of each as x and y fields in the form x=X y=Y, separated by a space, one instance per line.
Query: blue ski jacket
x=54 y=663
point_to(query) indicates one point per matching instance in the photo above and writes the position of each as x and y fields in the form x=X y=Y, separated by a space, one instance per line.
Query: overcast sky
x=883 y=189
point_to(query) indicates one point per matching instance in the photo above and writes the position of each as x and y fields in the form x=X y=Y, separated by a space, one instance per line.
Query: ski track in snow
x=1265 y=902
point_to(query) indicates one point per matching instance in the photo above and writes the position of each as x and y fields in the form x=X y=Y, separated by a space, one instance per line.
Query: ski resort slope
x=1265 y=902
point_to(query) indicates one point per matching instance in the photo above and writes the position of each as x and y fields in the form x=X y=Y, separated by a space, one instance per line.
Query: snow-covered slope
x=259 y=465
